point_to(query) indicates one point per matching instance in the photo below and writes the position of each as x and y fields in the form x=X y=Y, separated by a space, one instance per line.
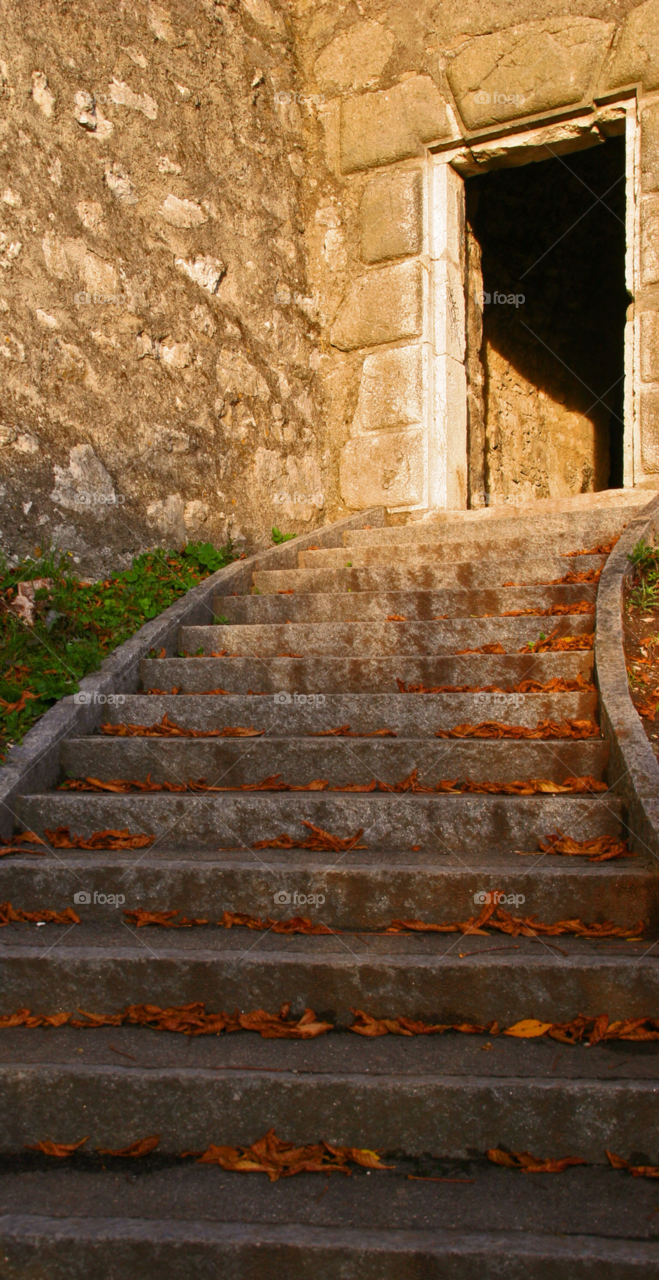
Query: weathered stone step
x=439 y=1097
x=228 y=762
x=365 y=639
x=421 y=606
x=269 y=1243
x=326 y=674
x=415 y=715
x=438 y=978
x=487 y=547
x=359 y=891
x=458 y=823
x=573 y=531
x=467 y=575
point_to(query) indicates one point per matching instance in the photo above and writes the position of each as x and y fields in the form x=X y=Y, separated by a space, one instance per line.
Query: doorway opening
x=546 y=310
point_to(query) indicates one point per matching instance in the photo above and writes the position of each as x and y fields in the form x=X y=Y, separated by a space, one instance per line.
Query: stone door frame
x=448 y=165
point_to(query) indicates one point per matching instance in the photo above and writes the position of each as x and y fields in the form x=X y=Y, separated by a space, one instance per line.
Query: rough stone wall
x=215 y=269
x=156 y=374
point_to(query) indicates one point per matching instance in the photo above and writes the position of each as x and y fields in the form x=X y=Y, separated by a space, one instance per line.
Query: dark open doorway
x=545 y=358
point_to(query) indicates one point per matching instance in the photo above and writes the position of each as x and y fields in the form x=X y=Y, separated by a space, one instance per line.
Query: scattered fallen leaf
x=135 y=1150
x=530 y=1164
x=496 y=917
x=575 y=729
x=554 y=610
x=554 y=643
x=297 y=924
x=598 y=848
x=18 y=843
x=636 y=1170
x=166 y=728
x=320 y=840
x=559 y=684
x=484 y=648
x=396 y=617
x=59 y=1149
x=111 y=839
x=343 y=731
x=9 y=916
x=604 y=549
x=277 y=1158
x=165 y=919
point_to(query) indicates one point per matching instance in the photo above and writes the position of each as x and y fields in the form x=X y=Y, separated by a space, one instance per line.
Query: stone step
x=419 y=606
x=458 y=823
x=231 y=762
x=326 y=674
x=439 y=1097
x=398 y=1230
x=377 y=638
x=488 y=547
x=466 y=575
x=356 y=891
x=439 y=978
x=575 y=531
x=298 y=714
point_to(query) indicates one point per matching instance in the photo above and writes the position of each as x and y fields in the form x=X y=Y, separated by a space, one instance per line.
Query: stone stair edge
x=633 y=766
x=264 y=1250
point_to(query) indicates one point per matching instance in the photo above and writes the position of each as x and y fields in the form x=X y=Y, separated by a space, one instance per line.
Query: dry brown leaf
x=166 y=728
x=17 y=843
x=530 y=1164
x=586 y=575
x=484 y=648
x=297 y=924
x=61 y=838
x=636 y=1170
x=555 y=643
x=9 y=916
x=135 y=1150
x=278 y=1159
x=343 y=731
x=597 y=849
x=165 y=919
x=603 y=550
x=575 y=729
x=496 y=917
x=554 y=610
x=396 y=617
x=59 y=1149
x=320 y=840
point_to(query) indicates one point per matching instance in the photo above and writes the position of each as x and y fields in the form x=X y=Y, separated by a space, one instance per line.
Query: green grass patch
x=77 y=624
x=645 y=590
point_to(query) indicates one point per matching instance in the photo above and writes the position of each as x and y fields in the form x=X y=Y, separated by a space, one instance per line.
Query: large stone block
x=527 y=68
x=384 y=305
x=449 y=320
x=650 y=240
x=650 y=346
x=391 y=216
x=635 y=56
x=379 y=128
x=391 y=390
x=447 y=446
x=650 y=148
x=650 y=430
x=386 y=469
x=355 y=58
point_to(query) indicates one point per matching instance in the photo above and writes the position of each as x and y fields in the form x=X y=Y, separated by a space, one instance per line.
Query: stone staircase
x=312 y=650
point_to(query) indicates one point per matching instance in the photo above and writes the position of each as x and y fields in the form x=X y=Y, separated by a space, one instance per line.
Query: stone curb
x=34 y=765
x=633 y=768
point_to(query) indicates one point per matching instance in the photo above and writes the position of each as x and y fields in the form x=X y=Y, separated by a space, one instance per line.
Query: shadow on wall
x=552 y=249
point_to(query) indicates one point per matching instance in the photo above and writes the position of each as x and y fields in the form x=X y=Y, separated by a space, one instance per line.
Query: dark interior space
x=547 y=372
